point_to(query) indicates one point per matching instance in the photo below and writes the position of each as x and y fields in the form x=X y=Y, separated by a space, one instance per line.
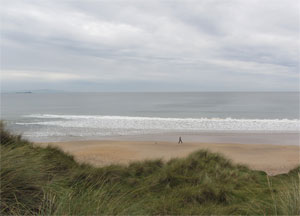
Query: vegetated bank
x=37 y=180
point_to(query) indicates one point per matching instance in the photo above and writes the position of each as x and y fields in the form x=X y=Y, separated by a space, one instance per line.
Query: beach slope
x=273 y=159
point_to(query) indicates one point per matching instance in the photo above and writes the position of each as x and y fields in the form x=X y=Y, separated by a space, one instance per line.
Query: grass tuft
x=47 y=181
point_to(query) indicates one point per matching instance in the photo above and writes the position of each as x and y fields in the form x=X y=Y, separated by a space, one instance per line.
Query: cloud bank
x=132 y=45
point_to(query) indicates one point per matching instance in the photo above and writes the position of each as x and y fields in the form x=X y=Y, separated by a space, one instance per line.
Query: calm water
x=63 y=116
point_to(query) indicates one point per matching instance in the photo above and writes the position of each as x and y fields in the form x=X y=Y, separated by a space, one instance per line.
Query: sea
x=48 y=117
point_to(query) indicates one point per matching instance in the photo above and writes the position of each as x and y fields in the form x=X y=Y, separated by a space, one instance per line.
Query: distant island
x=24 y=92
x=35 y=91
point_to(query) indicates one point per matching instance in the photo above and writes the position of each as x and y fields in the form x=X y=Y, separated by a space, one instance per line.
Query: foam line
x=156 y=123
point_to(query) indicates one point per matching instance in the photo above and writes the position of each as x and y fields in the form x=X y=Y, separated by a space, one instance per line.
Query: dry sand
x=273 y=159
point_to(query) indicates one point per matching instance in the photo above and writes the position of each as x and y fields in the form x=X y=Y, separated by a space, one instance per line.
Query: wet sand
x=273 y=159
x=275 y=138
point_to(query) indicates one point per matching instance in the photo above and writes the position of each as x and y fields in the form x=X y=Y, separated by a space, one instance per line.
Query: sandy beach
x=273 y=159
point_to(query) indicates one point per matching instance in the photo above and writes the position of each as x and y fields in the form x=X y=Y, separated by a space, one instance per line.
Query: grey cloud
x=207 y=45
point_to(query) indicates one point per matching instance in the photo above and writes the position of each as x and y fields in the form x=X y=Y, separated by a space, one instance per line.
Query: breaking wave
x=121 y=124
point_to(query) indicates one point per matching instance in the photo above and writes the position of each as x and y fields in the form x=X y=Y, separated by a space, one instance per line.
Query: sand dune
x=273 y=159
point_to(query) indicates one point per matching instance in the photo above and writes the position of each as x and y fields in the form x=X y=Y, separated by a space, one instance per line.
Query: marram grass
x=47 y=181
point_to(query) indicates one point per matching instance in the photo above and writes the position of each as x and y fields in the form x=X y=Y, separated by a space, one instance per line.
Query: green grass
x=48 y=181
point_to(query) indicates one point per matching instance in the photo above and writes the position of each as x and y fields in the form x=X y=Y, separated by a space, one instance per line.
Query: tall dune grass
x=48 y=181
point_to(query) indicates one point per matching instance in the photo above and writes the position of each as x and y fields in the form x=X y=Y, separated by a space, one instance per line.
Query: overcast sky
x=225 y=45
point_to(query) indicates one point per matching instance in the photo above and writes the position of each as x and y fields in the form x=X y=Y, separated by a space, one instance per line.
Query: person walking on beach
x=180 y=140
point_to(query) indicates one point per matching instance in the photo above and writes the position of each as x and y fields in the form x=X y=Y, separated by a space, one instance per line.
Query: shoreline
x=233 y=137
x=273 y=159
x=270 y=138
